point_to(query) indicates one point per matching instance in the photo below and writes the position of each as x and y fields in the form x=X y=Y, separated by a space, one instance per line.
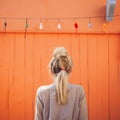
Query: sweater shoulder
x=44 y=88
x=75 y=86
x=76 y=90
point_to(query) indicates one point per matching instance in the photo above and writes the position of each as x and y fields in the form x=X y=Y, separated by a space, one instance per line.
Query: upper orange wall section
x=56 y=9
x=53 y=8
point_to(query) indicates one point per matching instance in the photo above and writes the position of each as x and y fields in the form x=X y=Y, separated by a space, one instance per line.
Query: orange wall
x=23 y=62
x=24 y=67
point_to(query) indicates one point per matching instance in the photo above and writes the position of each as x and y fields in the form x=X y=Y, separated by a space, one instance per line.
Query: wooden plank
x=29 y=95
x=1 y=76
x=11 y=74
x=18 y=86
x=75 y=54
x=84 y=64
x=4 y=72
x=114 y=77
x=102 y=78
x=93 y=83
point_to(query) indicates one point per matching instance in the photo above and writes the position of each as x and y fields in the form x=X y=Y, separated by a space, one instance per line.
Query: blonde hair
x=61 y=66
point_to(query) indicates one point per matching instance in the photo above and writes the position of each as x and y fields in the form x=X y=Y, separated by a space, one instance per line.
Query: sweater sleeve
x=38 y=106
x=83 y=115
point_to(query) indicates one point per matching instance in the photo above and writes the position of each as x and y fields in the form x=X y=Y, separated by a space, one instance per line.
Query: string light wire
x=71 y=18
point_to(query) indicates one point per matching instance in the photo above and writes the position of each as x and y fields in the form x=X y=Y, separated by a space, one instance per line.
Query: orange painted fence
x=24 y=67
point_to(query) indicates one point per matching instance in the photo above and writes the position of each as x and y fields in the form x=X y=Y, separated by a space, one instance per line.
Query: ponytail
x=61 y=82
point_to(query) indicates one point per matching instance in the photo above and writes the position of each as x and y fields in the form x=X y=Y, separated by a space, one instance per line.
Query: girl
x=61 y=100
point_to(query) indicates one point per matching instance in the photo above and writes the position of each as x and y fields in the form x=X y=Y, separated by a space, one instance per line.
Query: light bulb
x=76 y=25
x=89 y=25
x=41 y=26
x=104 y=25
x=59 y=26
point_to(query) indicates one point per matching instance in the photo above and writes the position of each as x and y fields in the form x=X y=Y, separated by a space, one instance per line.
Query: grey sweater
x=47 y=107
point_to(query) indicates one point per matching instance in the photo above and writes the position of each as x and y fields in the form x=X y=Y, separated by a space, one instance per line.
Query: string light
x=41 y=26
x=59 y=26
x=76 y=26
x=89 y=24
x=5 y=25
x=104 y=25
x=26 y=26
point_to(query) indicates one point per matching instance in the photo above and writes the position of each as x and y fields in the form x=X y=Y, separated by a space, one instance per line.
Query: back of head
x=61 y=66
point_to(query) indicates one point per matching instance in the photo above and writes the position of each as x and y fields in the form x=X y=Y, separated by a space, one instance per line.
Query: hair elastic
x=62 y=68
